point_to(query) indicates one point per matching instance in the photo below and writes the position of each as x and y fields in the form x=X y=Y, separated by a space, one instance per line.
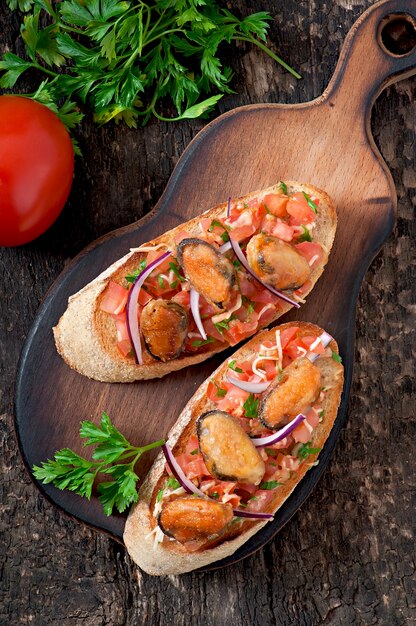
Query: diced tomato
x=182 y=234
x=144 y=297
x=233 y=400
x=303 y=288
x=182 y=298
x=192 y=445
x=262 y=499
x=248 y=487
x=115 y=298
x=312 y=418
x=240 y=233
x=265 y=296
x=288 y=462
x=283 y=231
x=253 y=203
x=301 y=433
x=300 y=210
x=308 y=340
x=270 y=369
x=247 y=286
x=212 y=331
x=311 y=251
x=196 y=468
x=123 y=337
x=240 y=330
x=287 y=335
x=276 y=204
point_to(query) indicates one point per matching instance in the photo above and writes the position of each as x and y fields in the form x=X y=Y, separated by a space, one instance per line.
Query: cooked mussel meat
x=164 y=326
x=276 y=262
x=210 y=273
x=188 y=518
x=297 y=390
x=228 y=451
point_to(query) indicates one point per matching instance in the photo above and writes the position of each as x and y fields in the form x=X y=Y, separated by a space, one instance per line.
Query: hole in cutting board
x=397 y=34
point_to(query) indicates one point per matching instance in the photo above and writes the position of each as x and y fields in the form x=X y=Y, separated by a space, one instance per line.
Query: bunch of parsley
x=123 y=57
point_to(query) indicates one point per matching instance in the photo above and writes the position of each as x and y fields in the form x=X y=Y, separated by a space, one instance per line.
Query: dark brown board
x=326 y=142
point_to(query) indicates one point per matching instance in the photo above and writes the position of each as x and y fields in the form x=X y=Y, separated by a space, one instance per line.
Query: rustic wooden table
x=347 y=557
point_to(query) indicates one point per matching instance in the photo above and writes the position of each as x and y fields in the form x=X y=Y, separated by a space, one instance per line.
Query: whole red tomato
x=36 y=169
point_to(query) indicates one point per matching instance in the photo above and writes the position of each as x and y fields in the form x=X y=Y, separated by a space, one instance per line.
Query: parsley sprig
x=124 y=56
x=113 y=456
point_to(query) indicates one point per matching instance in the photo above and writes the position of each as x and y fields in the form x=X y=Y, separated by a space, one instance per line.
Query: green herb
x=310 y=202
x=270 y=484
x=280 y=375
x=305 y=450
x=251 y=406
x=215 y=495
x=123 y=57
x=225 y=324
x=174 y=284
x=236 y=263
x=160 y=495
x=305 y=236
x=271 y=451
x=172 y=483
x=321 y=413
x=249 y=304
x=194 y=451
x=232 y=366
x=336 y=356
x=273 y=464
x=215 y=223
x=202 y=342
x=160 y=281
x=283 y=187
x=176 y=271
x=253 y=498
x=114 y=455
x=132 y=277
x=220 y=391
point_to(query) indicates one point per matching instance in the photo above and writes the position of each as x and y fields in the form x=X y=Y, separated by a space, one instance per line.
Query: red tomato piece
x=300 y=210
x=312 y=252
x=115 y=298
x=276 y=204
x=36 y=169
x=287 y=335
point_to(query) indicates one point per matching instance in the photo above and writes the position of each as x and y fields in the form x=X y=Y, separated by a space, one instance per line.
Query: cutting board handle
x=379 y=50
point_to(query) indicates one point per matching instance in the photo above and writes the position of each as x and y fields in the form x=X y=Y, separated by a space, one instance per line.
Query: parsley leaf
x=269 y=484
x=305 y=236
x=283 y=187
x=251 y=406
x=310 y=202
x=176 y=271
x=305 y=450
x=69 y=470
x=132 y=277
x=172 y=483
x=232 y=366
x=336 y=356
x=221 y=393
x=202 y=342
x=123 y=58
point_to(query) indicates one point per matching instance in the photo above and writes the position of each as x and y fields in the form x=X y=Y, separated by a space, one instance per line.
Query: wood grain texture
x=347 y=555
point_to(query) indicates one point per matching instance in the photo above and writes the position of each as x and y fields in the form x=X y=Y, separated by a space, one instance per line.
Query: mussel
x=164 y=326
x=188 y=518
x=210 y=273
x=276 y=262
x=297 y=390
x=228 y=451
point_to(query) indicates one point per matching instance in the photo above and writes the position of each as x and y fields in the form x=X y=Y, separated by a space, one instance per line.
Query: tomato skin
x=36 y=169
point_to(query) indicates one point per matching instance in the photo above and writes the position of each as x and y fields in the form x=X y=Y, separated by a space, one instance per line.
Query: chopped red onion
x=262 y=442
x=225 y=247
x=250 y=387
x=132 y=308
x=189 y=486
x=239 y=254
x=196 y=314
x=325 y=341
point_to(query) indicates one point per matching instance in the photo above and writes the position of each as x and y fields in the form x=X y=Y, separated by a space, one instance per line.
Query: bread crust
x=85 y=337
x=171 y=557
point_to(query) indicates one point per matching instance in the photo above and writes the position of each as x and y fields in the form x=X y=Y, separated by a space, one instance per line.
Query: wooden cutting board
x=326 y=142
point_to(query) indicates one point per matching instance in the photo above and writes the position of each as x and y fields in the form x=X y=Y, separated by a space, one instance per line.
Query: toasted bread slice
x=86 y=336
x=171 y=557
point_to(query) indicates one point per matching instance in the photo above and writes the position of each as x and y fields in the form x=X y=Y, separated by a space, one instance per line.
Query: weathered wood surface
x=348 y=555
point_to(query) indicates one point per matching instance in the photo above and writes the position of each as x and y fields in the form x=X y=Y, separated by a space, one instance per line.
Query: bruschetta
x=201 y=287
x=237 y=451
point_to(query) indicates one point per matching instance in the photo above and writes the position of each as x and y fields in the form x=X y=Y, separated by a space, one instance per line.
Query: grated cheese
x=313 y=259
x=224 y=316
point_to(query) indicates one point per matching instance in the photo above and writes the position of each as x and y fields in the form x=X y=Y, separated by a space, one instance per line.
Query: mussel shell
x=210 y=273
x=276 y=262
x=228 y=451
x=164 y=326
x=295 y=392
x=188 y=518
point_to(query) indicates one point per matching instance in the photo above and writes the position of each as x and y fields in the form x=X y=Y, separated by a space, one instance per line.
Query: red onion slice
x=189 y=486
x=196 y=314
x=240 y=256
x=252 y=514
x=225 y=247
x=262 y=442
x=179 y=474
x=250 y=387
x=133 y=306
